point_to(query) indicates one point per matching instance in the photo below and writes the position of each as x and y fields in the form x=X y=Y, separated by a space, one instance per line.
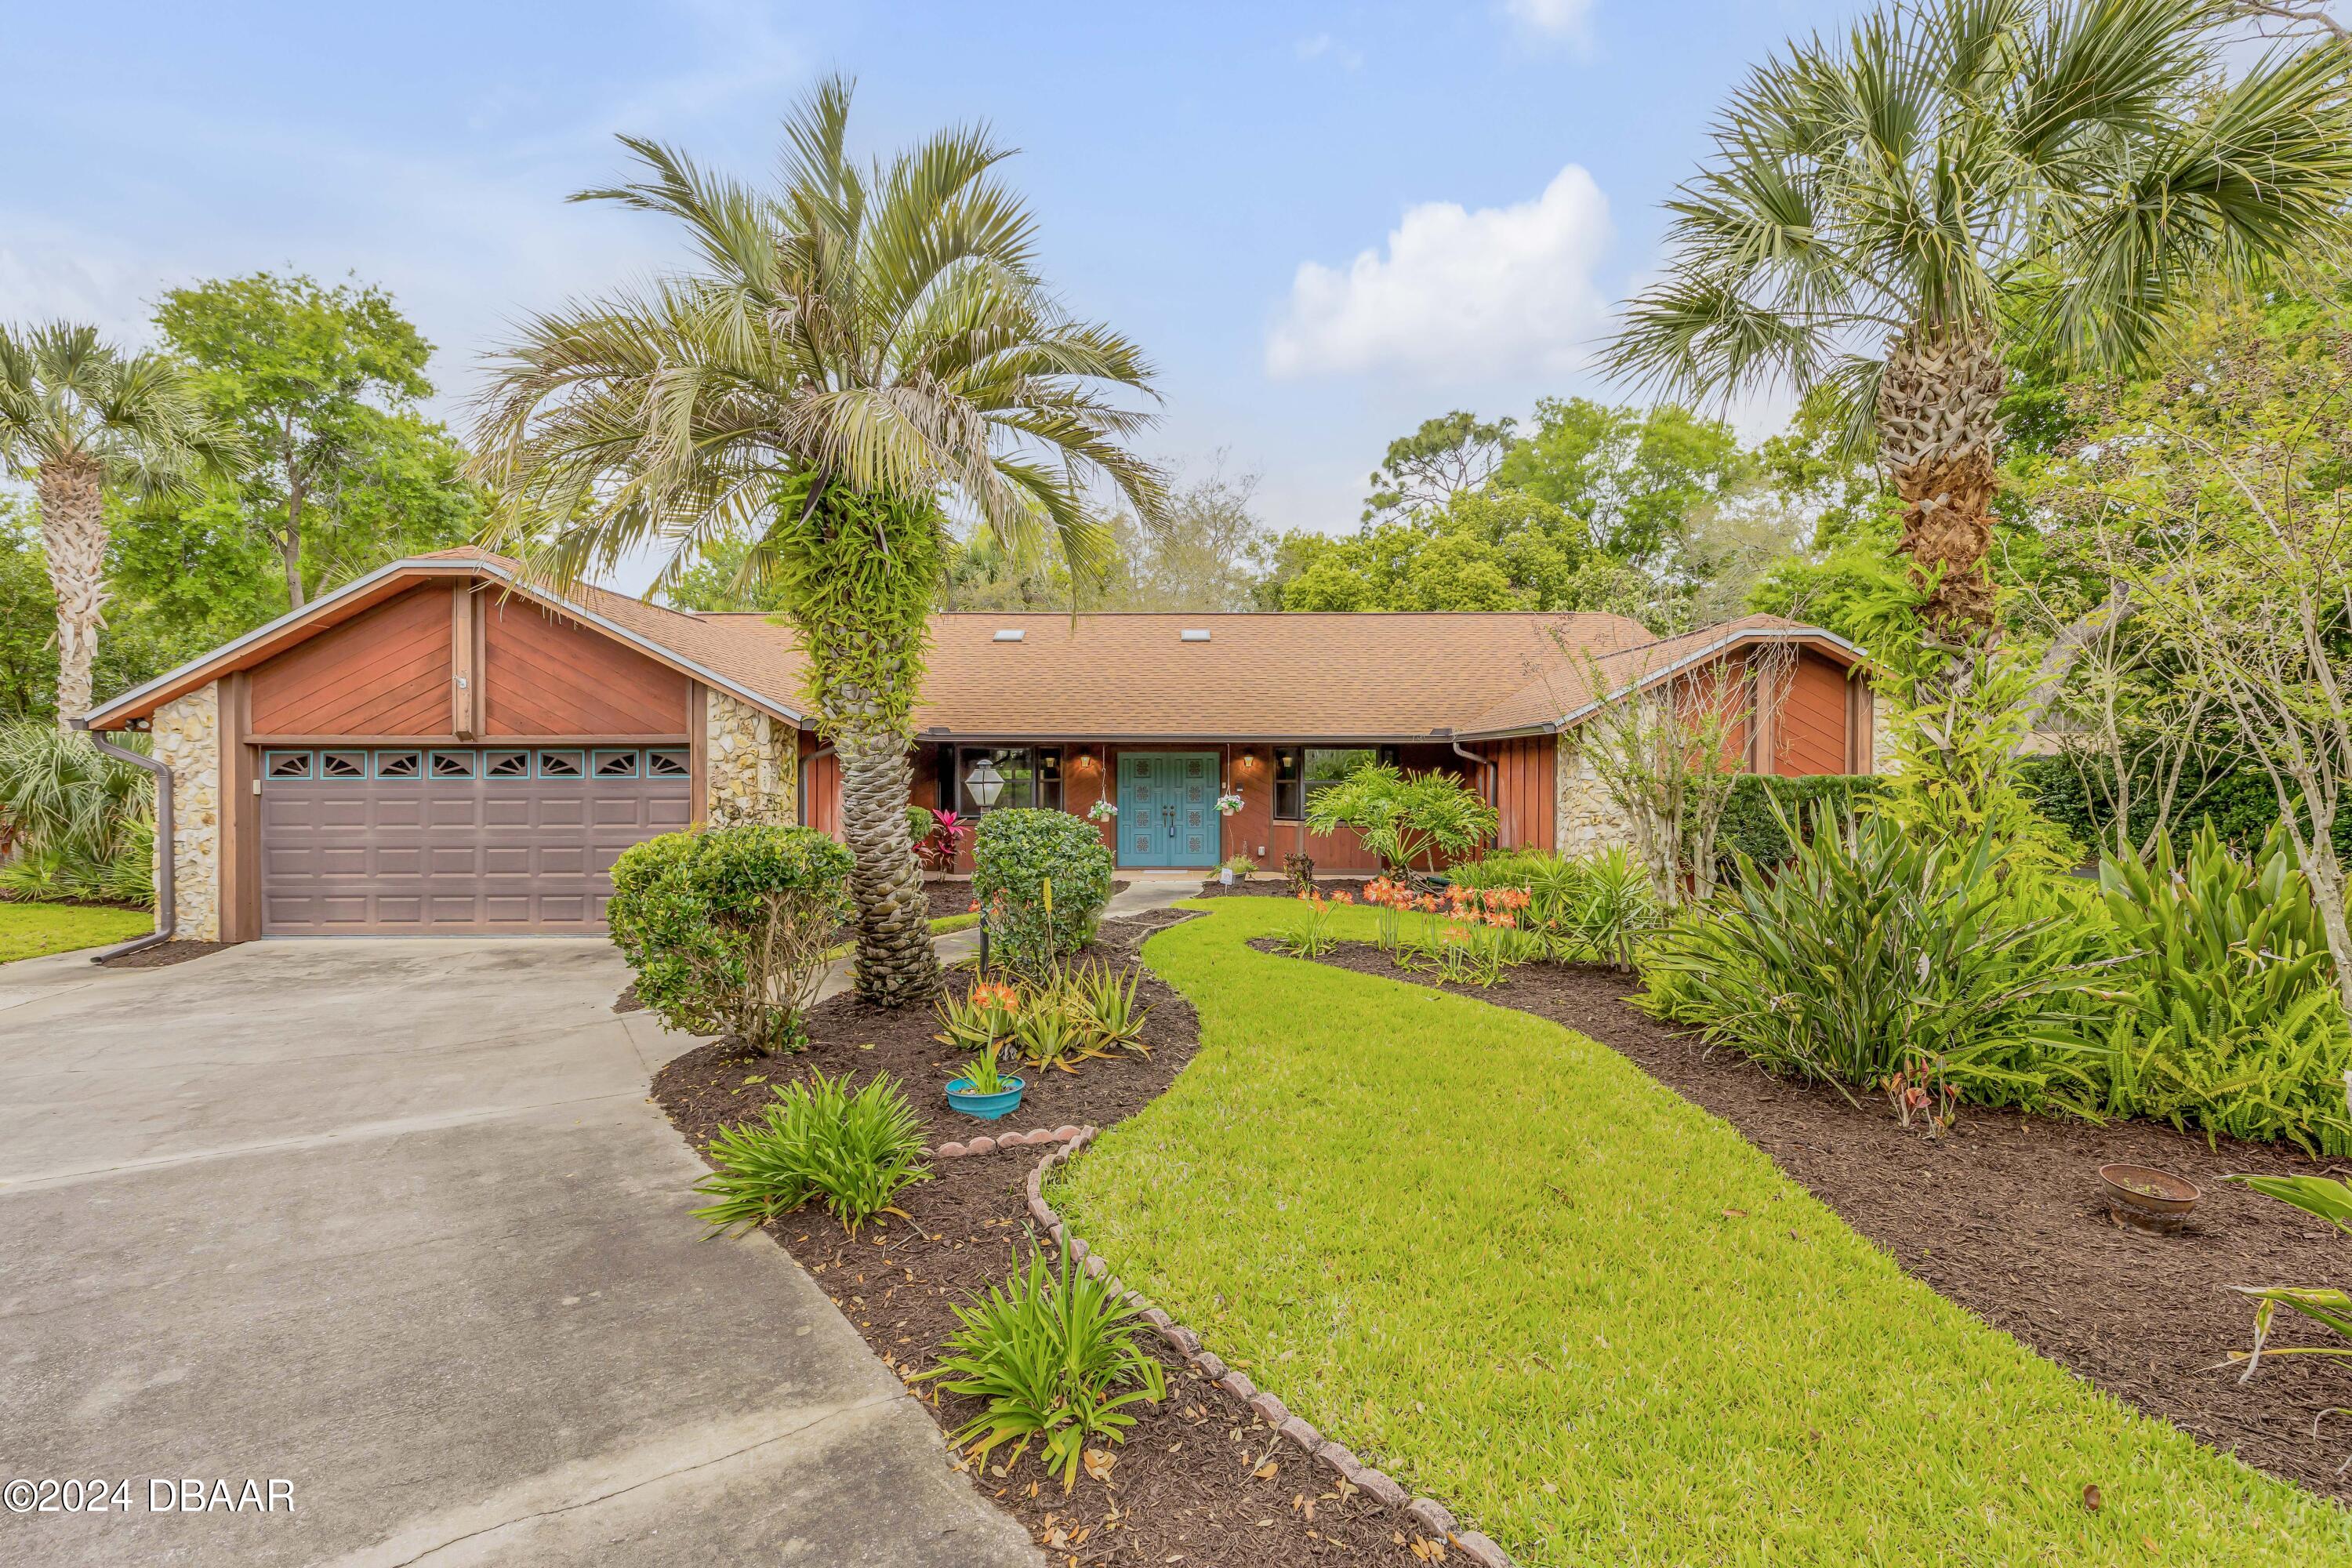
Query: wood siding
x=384 y=672
x=544 y=676
x=820 y=786
x=1810 y=734
x=1525 y=792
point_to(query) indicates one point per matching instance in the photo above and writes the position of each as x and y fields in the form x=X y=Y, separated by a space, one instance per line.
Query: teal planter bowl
x=987 y=1107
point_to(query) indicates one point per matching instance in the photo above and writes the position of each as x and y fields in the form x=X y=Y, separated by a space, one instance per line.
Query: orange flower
x=1343 y=897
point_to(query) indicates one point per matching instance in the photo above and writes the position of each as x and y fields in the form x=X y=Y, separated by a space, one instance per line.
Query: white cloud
x=1567 y=20
x=1458 y=294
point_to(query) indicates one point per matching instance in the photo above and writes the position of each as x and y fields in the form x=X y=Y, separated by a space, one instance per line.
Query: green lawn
x=939 y=927
x=1498 y=1260
x=28 y=930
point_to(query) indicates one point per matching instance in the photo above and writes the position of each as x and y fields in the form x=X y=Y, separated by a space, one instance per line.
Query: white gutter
x=445 y=568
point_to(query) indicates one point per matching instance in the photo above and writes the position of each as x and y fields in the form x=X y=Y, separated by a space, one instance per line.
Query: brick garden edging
x=1427 y=1512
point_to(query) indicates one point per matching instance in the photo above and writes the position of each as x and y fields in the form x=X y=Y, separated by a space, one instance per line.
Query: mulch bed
x=2005 y=1216
x=163 y=953
x=1275 y=886
x=1192 y=1483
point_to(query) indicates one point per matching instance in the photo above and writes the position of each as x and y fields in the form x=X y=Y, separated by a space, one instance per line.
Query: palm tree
x=78 y=418
x=1885 y=216
x=856 y=350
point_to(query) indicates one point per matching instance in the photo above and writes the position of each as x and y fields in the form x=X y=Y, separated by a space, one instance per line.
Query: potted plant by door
x=985 y=1090
x=1236 y=869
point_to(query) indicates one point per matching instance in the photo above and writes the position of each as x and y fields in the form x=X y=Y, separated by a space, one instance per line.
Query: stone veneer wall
x=1882 y=740
x=1584 y=818
x=187 y=741
x=752 y=764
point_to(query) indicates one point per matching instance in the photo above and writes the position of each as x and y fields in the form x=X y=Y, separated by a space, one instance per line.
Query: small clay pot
x=2146 y=1198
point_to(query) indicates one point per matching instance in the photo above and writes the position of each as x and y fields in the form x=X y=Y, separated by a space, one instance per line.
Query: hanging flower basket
x=1229 y=803
x=1102 y=811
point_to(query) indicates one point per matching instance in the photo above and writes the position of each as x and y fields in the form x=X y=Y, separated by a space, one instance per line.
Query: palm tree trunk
x=73 y=537
x=1939 y=437
x=896 y=962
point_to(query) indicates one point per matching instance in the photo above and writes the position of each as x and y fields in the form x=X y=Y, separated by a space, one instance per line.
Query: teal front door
x=1167 y=809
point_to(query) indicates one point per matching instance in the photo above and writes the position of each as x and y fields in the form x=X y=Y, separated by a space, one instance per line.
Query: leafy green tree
x=323 y=385
x=1423 y=471
x=29 y=610
x=1886 y=216
x=1631 y=476
x=1207 y=550
x=83 y=421
x=853 y=348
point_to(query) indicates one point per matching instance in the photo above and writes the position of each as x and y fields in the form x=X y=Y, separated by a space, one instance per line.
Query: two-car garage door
x=439 y=841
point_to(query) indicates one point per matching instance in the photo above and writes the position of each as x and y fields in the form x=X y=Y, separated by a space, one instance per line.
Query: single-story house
x=442 y=748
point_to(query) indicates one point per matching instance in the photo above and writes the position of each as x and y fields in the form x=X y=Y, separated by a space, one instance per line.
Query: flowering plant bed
x=1200 y=1475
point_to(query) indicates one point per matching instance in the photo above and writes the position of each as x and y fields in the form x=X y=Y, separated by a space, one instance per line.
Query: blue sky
x=1325 y=222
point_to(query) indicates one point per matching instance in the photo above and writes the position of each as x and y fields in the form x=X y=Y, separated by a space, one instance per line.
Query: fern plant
x=1057 y=1358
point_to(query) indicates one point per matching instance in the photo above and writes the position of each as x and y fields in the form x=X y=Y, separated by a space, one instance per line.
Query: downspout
x=167 y=913
x=1494 y=771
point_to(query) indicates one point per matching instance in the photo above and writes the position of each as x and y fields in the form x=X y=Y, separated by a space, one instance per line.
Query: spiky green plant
x=854 y=1151
x=1056 y=1357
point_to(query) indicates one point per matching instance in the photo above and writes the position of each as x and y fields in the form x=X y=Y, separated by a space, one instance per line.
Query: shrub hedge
x=728 y=928
x=1749 y=827
x=1015 y=853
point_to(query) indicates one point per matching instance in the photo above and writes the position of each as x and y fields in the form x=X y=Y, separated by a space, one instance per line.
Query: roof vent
x=1193 y=634
x=1009 y=634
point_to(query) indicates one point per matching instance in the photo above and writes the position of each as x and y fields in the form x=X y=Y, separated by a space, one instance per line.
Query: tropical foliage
x=74 y=822
x=869 y=341
x=1057 y=1358
x=1887 y=212
x=1409 y=820
x=853 y=1151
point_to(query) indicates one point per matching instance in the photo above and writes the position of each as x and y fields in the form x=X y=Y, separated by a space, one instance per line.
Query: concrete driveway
x=392 y=1222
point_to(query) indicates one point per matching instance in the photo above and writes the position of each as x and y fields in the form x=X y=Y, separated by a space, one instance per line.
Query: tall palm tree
x=1885 y=215
x=78 y=418
x=856 y=350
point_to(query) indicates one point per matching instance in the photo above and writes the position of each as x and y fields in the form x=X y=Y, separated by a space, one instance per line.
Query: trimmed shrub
x=2239 y=807
x=816 y=1140
x=1014 y=854
x=728 y=928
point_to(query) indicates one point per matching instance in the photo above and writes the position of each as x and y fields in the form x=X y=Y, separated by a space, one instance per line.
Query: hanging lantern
x=984 y=783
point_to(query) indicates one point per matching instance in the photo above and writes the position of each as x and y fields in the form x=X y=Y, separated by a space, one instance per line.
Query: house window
x=997 y=778
x=399 y=765
x=667 y=765
x=1328 y=765
x=559 y=765
x=342 y=764
x=506 y=764
x=1286 y=801
x=617 y=764
x=453 y=764
x=290 y=764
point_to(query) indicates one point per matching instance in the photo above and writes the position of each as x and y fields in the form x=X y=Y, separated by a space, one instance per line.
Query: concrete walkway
x=1145 y=891
x=394 y=1223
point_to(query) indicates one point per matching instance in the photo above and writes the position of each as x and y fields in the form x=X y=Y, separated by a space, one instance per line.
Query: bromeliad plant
x=853 y=1151
x=1104 y=1000
x=1056 y=1357
x=981 y=1018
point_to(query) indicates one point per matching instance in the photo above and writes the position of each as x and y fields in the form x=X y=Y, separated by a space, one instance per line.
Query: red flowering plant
x=939 y=847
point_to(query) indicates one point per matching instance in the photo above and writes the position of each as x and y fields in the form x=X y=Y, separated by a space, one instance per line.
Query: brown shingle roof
x=1274 y=676
x=1107 y=676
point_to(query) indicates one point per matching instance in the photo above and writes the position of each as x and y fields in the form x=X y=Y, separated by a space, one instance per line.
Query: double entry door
x=1167 y=809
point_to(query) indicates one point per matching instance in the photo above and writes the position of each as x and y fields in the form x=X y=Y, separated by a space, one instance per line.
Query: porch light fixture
x=984 y=782
x=1193 y=634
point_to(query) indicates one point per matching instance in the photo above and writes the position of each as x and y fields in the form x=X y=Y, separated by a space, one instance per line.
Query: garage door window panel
x=399 y=764
x=561 y=764
x=344 y=767
x=454 y=765
x=287 y=765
